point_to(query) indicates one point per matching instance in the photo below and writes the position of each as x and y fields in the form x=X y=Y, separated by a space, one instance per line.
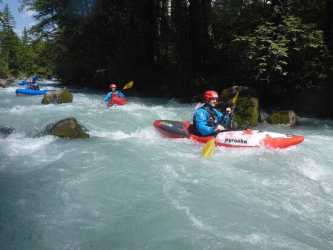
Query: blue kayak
x=31 y=92
x=24 y=82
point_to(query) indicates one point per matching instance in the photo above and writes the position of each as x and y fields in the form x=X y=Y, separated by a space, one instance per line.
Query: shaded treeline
x=180 y=48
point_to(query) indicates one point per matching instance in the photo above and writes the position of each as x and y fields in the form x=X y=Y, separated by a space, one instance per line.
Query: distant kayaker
x=114 y=93
x=207 y=120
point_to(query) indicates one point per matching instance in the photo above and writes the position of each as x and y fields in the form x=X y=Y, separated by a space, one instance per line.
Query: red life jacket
x=34 y=87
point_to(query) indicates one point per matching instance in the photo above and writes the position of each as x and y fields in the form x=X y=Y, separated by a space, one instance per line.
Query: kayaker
x=207 y=120
x=33 y=86
x=113 y=93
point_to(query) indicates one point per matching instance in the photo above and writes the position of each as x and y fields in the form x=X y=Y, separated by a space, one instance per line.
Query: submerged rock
x=66 y=128
x=57 y=96
x=286 y=117
x=5 y=131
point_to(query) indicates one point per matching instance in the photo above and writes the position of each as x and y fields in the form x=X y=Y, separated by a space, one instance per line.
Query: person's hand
x=219 y=128
x=228 y=110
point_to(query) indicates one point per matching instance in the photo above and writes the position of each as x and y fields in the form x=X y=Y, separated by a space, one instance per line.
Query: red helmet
x=209 y=95
x=113 y=86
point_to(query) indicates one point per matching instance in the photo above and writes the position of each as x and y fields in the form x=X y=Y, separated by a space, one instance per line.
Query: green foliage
x=21 y=56
x=3 y=69
x=9 y=40
x=277 y=48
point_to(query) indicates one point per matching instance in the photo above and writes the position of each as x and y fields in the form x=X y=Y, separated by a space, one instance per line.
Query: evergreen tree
x=10 y=40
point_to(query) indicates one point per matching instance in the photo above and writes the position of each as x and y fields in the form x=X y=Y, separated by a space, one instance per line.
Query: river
x=127 y=187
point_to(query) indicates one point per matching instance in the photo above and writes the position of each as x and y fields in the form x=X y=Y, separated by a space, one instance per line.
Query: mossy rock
x=246 y=113
x=66 y=128
x=230 y=93
x=57 y=96
x=286 y=117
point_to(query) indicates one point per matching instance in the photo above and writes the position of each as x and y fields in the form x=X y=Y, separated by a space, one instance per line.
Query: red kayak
x=229 y=138
x=115 y=100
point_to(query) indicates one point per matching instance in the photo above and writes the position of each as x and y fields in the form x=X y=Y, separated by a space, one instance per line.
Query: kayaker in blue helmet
x=114 y=92
x=207 y=120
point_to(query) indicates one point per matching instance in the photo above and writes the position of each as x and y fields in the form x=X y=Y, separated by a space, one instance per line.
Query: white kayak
x=256 y=138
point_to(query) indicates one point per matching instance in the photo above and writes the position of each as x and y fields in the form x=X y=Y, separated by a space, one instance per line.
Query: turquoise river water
x=127 y=187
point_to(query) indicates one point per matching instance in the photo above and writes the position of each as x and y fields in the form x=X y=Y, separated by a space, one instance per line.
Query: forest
x=180 y=48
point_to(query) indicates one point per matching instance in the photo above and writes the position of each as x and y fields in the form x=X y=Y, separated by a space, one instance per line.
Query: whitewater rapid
x=128 y=187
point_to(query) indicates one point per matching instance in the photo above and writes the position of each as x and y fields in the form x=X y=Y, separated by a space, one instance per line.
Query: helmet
x=209 y=95
x=113 y=86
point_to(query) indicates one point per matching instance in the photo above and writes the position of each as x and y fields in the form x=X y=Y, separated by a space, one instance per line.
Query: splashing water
x=127 y=187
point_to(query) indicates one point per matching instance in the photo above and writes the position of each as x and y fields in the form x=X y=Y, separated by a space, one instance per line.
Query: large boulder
x=246 y=109
x=66 y=128
x=230 y=93
x=286 y=117
x=4 y=83
x=246 y=113
x=57 y=96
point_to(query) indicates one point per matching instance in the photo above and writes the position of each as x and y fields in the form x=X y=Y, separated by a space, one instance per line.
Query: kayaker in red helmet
x=207 y=120
x=113 y=92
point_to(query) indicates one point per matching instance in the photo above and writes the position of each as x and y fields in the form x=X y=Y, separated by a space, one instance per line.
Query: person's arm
x=223 y=117
x=121 y=95
x=107 y=97
x=201 y=117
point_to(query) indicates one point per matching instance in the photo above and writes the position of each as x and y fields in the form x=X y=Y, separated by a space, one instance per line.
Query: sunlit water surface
x=127 y=187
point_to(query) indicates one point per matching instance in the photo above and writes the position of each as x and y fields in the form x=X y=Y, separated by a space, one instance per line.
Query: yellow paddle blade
x=93 y=106
x=209 y=148
x=129 y=85
x=235 y=98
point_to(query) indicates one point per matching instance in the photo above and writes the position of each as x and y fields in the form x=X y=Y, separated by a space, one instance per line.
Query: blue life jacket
x=212 y=121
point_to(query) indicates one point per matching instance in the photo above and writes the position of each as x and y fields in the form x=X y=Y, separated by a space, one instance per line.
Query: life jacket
x=114 y=94
x=32 y=87
x=212 y=120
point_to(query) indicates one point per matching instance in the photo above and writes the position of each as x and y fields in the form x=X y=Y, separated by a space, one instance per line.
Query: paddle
x=209 y=148
x=127 y=86
x=35 y=78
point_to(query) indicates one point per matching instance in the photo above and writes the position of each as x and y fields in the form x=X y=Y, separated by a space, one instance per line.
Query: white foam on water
x=16 y=145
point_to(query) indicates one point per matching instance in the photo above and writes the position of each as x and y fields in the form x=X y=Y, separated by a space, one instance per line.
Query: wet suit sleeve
x=201 y=117
x=107 y=97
